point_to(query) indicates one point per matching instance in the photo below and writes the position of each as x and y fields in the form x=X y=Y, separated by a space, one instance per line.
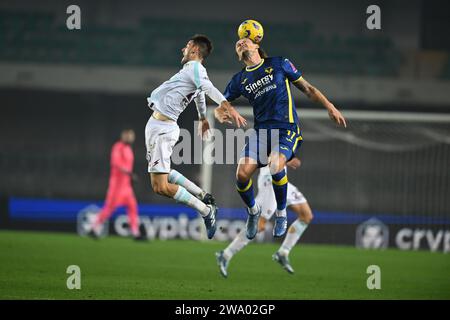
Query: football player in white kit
x=168 y=101
x=266 y=199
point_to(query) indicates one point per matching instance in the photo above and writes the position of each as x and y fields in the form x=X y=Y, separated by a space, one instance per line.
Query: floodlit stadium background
x=65 y=96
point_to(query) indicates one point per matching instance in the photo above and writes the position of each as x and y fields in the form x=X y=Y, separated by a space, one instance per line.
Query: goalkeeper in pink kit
x=120 y=191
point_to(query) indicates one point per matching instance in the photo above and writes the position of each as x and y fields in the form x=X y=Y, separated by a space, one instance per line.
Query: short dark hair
x=204 y=45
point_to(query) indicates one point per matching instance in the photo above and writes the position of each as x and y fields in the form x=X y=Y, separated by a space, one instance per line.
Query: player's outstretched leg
x=176 y=177
x=244 y=186
x=161 y=186
x=295 y=231
x=240 y=242
x=223 y=257
x=280 y=184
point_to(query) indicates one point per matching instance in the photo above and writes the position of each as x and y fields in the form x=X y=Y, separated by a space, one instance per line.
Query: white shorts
x=266 y=197
x=160 y=138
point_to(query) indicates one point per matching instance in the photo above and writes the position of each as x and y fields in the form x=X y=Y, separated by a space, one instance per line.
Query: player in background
x=168 y=101
x=120 y=190
x=265 y=82
x=266 y=199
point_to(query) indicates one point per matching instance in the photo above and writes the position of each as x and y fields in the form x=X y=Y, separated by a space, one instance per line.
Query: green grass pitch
x=33 y=266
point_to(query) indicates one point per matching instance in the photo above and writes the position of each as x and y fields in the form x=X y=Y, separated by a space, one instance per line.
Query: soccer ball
x=251 y=29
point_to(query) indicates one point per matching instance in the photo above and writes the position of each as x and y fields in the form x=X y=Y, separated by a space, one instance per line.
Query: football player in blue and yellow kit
x=265 y=82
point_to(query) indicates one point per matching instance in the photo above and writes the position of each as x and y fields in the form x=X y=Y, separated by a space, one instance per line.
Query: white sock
x=236 y=245
x=280 y=213
x=293 y=235
x=177 y=178
x=254 y=210
x=188 y=199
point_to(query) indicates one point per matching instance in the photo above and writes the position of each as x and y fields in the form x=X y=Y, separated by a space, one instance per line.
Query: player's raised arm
x=315 y=95
x=217 y=97
x=202 y=81
x=227 y=112
x=295 y=76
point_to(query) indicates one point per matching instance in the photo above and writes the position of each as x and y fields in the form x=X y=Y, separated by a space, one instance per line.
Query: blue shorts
x=261 y=142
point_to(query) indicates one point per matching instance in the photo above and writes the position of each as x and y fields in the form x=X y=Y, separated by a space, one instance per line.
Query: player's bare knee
x=159 y=188
x=163 y=191
x=308 y=218
x=276 y=163
x=273 y=167
x=156 y=187
x=306 y=214
x=242 y=175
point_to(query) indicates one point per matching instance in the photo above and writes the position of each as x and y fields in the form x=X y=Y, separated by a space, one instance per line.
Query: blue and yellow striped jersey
x=267 y=88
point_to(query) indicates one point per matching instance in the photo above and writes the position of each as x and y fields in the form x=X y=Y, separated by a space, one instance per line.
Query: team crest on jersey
x=268 y=70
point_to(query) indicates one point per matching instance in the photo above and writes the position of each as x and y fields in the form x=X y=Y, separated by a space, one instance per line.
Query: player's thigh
x=255 y=149
x=160 y=138
x=284 y=144
x=303 y=211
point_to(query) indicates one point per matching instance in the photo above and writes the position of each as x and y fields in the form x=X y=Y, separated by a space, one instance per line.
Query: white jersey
x=191 y=82
x=266 y=196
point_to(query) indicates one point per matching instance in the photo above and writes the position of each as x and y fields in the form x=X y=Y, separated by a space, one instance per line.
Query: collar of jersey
x=255 y=67
x=189 y=62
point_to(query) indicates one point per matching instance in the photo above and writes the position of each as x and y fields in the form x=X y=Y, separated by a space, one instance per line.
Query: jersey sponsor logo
x=265 y=89
x=260 y=83
x=244 y=81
